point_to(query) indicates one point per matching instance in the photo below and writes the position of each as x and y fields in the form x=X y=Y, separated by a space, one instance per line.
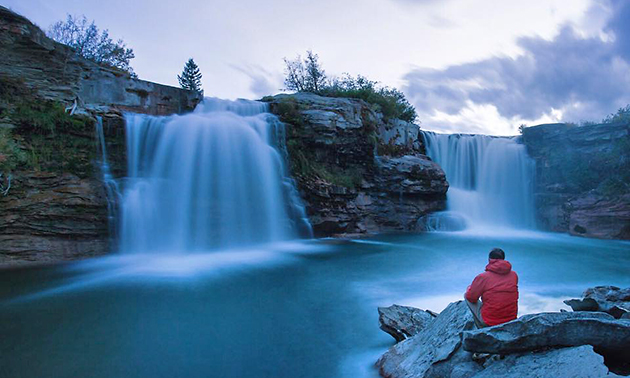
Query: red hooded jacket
x=498 y=288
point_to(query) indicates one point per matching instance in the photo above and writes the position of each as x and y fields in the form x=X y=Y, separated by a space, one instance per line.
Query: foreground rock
x=609 y=299
x=357 y=172
x=553 y=330
x=435 y=351
x=578 y=362
x=583 y=344
x=402 y=321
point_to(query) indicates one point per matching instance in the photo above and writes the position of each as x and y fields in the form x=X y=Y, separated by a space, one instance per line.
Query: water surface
x=292 y=309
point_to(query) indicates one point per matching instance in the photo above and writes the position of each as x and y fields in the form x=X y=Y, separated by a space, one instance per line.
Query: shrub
x=391 y=102
x=622 y=116
x=308 y=76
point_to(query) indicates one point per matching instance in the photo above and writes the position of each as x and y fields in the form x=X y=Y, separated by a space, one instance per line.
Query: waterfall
x=112 y=189
x=490 y=180
x=214 y=178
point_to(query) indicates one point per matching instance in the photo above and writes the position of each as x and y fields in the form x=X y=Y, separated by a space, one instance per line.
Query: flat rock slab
x=551 y=330
x=441 y=338
x=576 y=362
x=403 y=321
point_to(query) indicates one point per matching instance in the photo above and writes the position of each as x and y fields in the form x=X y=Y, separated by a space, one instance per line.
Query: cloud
x=572 y=77
x=262 y=82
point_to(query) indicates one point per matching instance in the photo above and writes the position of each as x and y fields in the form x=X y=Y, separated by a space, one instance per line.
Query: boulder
x=552 y=330
x=576 y=362
x=609 y=299
x=402 y=321
x=426 y=353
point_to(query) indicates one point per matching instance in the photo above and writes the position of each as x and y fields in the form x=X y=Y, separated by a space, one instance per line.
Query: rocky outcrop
x=582 y=180
x=357 y=172
x=56 y=208
x=540 y=345
x=402 y=321
x=426 y=354
x=608 y=299
x=55 y=72
x=552 y=330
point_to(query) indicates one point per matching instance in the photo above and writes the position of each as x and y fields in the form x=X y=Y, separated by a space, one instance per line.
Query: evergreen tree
x=191 y=77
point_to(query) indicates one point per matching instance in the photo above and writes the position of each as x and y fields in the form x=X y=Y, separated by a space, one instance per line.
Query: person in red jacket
x=498 y=289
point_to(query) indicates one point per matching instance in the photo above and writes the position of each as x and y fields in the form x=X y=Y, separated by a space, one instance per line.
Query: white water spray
x=490 y=180
x=214 y=178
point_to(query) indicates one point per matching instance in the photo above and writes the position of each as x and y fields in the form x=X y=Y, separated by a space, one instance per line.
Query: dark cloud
x=587 y=77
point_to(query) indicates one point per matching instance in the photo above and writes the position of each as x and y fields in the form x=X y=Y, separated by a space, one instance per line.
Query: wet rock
x=609 y=299
x=436 y=343
x=411 y=175
x=348 y=186
x=50 y=217
x=402 y=321
x=577 y=362
x=552 y=330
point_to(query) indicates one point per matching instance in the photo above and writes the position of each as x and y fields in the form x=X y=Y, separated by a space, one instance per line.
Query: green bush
x=622 y=116
x=391 y=102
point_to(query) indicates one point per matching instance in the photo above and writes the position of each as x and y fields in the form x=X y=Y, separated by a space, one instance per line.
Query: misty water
x=185 y=296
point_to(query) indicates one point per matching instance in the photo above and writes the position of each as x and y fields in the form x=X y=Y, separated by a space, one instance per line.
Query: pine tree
x=191 y=77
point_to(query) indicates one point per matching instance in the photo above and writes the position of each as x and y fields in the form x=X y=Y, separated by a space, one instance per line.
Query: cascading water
x=490 y=180
x=214 y=178
x=112 y=189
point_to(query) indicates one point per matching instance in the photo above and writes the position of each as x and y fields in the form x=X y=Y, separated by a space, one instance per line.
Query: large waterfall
x=214 y=178
x=490 y=180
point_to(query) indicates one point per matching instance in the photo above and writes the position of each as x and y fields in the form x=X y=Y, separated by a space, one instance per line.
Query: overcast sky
x=483 y=66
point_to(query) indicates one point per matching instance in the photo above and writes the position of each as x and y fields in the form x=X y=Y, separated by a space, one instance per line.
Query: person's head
x=497 y=254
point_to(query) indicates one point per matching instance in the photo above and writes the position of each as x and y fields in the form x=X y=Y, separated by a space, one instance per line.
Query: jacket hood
x=499 y=266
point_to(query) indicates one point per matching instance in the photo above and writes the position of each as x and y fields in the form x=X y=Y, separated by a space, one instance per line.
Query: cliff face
x=582 y=178
x=357 y=172
x=55 y=72
x=54 y=207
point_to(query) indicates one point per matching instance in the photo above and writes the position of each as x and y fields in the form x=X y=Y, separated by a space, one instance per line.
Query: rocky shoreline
x=586 y=343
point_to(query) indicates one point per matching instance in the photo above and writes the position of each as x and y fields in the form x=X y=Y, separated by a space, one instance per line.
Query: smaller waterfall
x=112 y=189
x=490 y=180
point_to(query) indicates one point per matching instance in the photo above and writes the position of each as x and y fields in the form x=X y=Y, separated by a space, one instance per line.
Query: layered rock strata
x=582 y=178
x=357 y=172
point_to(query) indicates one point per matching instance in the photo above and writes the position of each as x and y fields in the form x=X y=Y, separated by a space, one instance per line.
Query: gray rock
x=564 y=205
x=549 y=330
x=459 y=365
x=348 y=186
x=54 y=71
x=577 y=362
x=441 y=339
x=402 y=321
x=412 y=175
x=609 y=299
